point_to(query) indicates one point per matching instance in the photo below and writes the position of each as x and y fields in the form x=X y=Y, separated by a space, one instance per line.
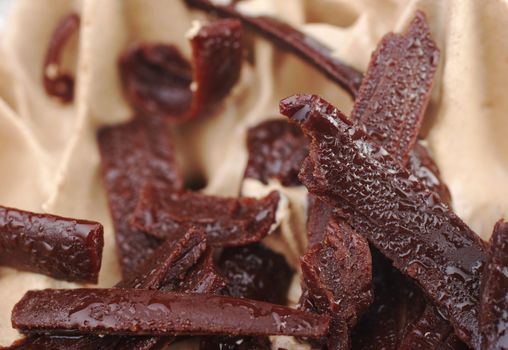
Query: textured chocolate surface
x=63 y=248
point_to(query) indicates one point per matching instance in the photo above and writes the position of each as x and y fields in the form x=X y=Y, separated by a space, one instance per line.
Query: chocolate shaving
x=147 y=312
x=396 y=213
x=157 y=78
x=226 y=221
x=276 y=150
x=62 y=248
x=57 y=82
x=131 y=154
x=291 y=39
x=494 y=297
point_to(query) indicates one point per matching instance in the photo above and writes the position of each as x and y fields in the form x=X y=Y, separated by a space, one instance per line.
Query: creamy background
x=49 y=157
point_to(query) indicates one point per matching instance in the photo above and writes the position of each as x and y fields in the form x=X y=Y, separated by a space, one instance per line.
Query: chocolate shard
x=63 y=248
x=396 y=213
x=289 y=38
x=226 y=221
x=396 y=89
x=318 y=216
x=147 y=312
x=494 y=296
x=157 y=78
x=276 y=150
x=256 y=272
x=131 y=154
x=57 y=82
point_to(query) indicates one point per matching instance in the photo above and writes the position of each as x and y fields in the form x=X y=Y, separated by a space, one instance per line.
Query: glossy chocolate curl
x=147 y=312
x=276 y=151
x=132 y=154
x=62 y=248
x=396 y=89
x=395 y=212
x=291 y=39
x=57 y=82
x=226 y=221
x=494 y=298
x=157 y=78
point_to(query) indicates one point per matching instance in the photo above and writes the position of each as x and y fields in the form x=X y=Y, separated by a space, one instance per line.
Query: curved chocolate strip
x=58 y=83
x=157 y=79
x=226 y=221
x=396 y=213
x=304 y=46
x=146 y=312
x=396 y=89
x=494 y=298
x=133 y=153
x=62 y=248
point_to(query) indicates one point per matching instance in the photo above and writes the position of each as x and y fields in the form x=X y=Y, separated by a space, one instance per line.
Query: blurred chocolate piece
x=132 y=154
x=289 y=38
x=146 y=312
x=63 y=248
x=57 y=82
x=494 y=297
x=226 y=221
x=234 y=343
x=157 y=78
x=276 y=151
x=395 y=212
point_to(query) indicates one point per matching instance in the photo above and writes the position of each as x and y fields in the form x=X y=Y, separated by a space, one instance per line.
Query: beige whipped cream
x=48 y=152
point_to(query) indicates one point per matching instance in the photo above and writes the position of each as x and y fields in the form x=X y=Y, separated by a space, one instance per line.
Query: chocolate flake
x=147 y=312
x=289 y=38
x=395 y=212
x=131 y=154
x=57 y=82
x=157 y=78
x=62 y=248
x=226 y=221
x=494 y=297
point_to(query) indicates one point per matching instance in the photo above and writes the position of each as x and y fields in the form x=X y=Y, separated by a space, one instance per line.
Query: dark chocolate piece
x=63 y=248
x=318 y=217
x=395 y=212
x=57 y=82
x=226 y=221
x=256 y=272
x=289 y=38
x=494 y=297
x=131 y=154
x=157 y=78
x=147 y=312
x=396 y=89
x=276 y=150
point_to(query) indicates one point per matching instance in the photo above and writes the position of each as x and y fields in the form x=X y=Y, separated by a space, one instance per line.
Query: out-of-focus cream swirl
x=48 y=152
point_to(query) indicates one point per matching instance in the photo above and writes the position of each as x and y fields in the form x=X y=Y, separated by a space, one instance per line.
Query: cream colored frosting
x=48 y=152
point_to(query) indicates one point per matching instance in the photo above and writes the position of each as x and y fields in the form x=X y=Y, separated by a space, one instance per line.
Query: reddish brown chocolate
x=131 y=154
x=157 y=78
x=256 y=272
x=494 y=298
x=289 y=38
x=63 y=248
x=395 y=212
x=57 y=82
x=146 y=312
x=276 y=150
x=318 y=217
x=396 y=89
x=226 y=221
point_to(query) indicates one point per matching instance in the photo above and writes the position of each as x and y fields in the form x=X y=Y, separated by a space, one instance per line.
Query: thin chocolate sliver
x=395 y=212
x=494 y=297
x=63 y=248
x=157 y=78
x=131 y=154
x=289 y=38
x=146 y=312
x=226 y=221
x=58 y=83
